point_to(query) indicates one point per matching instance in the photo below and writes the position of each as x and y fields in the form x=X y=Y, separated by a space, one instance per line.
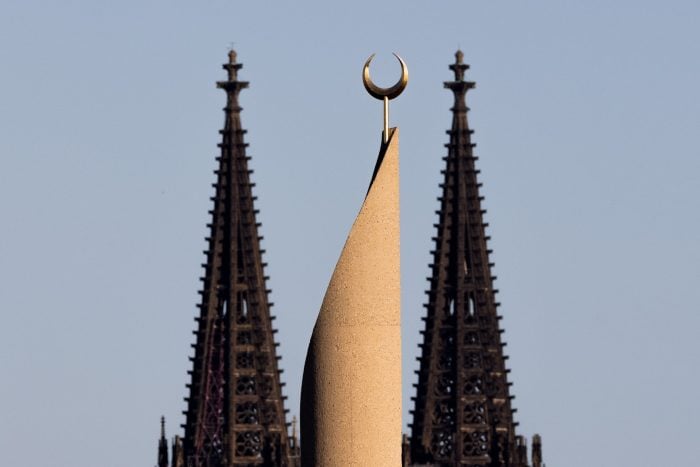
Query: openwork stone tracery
x=235 y=412
x=463 y=414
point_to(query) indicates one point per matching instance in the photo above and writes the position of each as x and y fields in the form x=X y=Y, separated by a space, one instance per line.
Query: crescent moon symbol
x=380 y=93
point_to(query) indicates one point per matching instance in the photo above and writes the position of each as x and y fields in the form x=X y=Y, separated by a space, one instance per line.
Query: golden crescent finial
x=381 y=93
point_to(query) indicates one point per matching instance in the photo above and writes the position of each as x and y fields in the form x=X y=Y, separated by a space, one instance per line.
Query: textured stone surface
x=351 y=390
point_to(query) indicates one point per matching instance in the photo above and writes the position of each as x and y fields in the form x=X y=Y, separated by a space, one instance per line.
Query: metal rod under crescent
x=386 y=119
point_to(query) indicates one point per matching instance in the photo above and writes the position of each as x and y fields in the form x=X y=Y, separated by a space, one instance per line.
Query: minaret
x=463 y=414
x=235 y=410
x=351 y=389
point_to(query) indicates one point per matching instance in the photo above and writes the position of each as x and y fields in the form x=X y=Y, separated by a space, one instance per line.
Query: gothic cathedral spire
x=463 y=414
x=235 y=410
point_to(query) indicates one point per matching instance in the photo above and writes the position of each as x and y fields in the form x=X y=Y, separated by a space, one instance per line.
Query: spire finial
x=162 y=427
x=459 y=67
x=232 y=66
x=459 y=86
x=232 y=85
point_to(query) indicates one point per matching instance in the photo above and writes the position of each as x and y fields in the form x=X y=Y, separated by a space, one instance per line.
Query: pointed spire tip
x=459 y=67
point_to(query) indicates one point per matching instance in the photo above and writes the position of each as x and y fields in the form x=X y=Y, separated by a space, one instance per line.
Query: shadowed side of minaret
x=351 y=389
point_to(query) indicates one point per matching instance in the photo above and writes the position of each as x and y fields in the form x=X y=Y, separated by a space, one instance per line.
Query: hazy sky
x=586 y=116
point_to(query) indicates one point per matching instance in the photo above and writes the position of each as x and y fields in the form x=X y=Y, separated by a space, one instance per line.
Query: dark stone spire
x=537 y=451
x=235 y=410
x=463 y=414
x=178 y=453
x=162 y=445
x=294 y=447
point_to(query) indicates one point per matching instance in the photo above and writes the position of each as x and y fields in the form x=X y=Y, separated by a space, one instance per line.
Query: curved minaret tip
x=232 y=55
x=351 y=389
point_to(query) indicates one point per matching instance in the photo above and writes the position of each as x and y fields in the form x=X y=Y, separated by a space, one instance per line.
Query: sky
x=586 y=118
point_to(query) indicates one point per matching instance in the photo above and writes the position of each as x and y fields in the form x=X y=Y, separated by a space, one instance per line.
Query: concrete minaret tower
x=351 y=390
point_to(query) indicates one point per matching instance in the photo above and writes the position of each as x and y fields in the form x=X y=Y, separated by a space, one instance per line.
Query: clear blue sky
x=586 y=116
